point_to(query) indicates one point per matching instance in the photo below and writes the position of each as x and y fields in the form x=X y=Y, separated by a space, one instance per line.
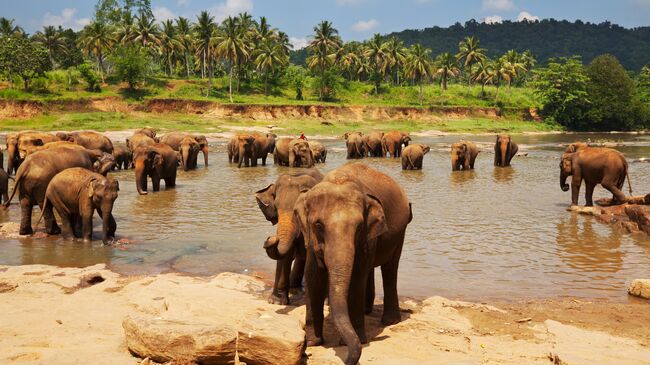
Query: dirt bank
x=53 y=315
x=28 y=109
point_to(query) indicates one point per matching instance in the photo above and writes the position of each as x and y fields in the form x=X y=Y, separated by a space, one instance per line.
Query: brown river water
x=492 y=233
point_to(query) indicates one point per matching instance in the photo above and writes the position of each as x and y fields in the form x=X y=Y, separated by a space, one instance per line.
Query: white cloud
x=498 y=5
x=298 y=43
x=66 y=19
x=365 y=25
x=162 y=13
x=231 y=8
x=492 y=19
x=524 y=15
x=183 y=2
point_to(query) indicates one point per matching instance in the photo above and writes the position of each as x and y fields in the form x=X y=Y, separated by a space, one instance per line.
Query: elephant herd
x=247 y=149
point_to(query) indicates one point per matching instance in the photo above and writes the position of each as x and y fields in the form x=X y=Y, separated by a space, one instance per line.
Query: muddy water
x=489 y=233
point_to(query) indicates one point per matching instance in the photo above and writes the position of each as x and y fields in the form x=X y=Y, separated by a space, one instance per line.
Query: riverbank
x=91 y=315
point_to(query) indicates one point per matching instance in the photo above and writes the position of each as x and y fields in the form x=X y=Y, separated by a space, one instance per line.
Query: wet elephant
x=88 y=139
x=157 y=161
x=123 y=157
x=65 y=144
x=392 y=143
x=241 y=149
x=355 y=145
x=353 y=221
x=412 y=156
x=277 y=203
x=173 y=139
x=463 y=155
x=319 y=151
x=149 y=132
x=575 y=146
x=38 y=169
x=19 y=143
x=264 y=144
x=75 y=194
x=138 y=140
x=373 y=144
x=4 y=185
x=293 y=153
x=594 y=165
x=504 y=150
x=189 y=152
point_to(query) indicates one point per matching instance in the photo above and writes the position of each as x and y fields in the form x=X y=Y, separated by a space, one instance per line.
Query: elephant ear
x=426 y=150
x=345 y=136
x=375 y=218
x=300 y=213
x=91 y=188
x=265 y=200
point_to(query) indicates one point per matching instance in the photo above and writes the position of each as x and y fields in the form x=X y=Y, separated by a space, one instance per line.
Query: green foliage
x=328 y=84
x=562 y=89
x=296 y=77
x=21 y=57
x=90 y=77
x=131 y=64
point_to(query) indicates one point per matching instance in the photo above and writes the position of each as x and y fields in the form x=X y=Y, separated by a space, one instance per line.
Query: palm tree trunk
x=497 y=96
x=101 y=65
x=230 y=84
x=266 y=81
x=420 y=93
x=203 y=64
x=209 y=74
x=187 y=66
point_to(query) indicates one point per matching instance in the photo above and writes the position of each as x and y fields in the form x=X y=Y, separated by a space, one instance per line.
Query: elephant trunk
x=185 y=157
x=205 y=151
x=504 y=153
x=242 y=154
x=340 y=273
x=454 y=162
x=140 y=177
x=279 y=246
x=11 y=155
x=107 y=208
x=563 y=185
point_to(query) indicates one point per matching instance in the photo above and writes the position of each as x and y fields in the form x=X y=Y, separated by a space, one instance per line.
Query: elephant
x=413 y=155
x=463 y=155
x=18 y=143
x=373 y=144
x=38 y=169
x=189 y=152
x=28 y=150
x=138 y=140
x=76 y=193
x=594 y=165
x=352 y=221
x=123 y=158
x=4 y=185
x=174 y=139
x=575 y=146
x=158 y=161
x=264 y=144
x=293 y=153
x=355 y=145
x=319 y=151
x=88 y=139
x=276 y=202
x=504 y=150
x=2 y=159
x=149 y=132
x=392 y=143
x=241 y=149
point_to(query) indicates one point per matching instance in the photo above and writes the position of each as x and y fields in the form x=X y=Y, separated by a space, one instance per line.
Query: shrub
x=131 y=64
x=90 y=77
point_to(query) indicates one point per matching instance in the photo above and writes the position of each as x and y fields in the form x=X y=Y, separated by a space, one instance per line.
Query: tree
x=21 y=57
x=131 y=64
x=170 y=46
x=268 y=57
x=51 y=39
x=146 y=31
x=562 y=88
x=296 y=77
x=418 y=65
x=470 y=53
x=446 y=67
x=96 y=40
x=322 y=51
x=484 y=74
x=184 y=37
x=503 y=71
x=230 y=44
x=397 y=57
x=348 y=59
x=7 y=28
x=203 y=33
x=378 y=54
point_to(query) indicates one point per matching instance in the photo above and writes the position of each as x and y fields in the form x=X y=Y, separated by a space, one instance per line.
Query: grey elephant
x=4 y=185
x=373 y=143
x=355 y=145
x=504 y=150
x=412 y=156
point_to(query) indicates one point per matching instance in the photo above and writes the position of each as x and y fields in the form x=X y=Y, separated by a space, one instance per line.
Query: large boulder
x=640 y=288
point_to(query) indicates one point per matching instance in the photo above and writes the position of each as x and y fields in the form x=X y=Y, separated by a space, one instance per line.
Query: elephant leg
x=87 y=227
x=26 y=216
x=317 y=282
x=618 y=194
x=298 y=271
x=170 y=182
x=575 y=189
x=370 y=292
x=280 y=294
x=589 y=194
x=51 y=227
x=67 y=230
x=389 y=279
x=155 y=182
x=76 y=224
x=264 y=160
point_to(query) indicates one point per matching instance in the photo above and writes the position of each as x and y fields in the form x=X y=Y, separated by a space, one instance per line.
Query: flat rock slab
x=640 y=288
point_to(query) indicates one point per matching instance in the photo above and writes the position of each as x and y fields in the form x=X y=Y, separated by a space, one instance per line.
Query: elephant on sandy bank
x=594 y=165
x=504 y=150
x=88 y=139
x=352 y=221
x=355 y=145
x=413 y=155
x=392 y=143
x=293 y=153
x=276 y=202
x=158 y=161
x=76 y=193
x=373 y=144
x=463 y=155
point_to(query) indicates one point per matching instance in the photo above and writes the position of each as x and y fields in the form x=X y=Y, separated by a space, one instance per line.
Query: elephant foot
x=26 y=231
x=278 y=299
x=390 y=318
x=53 y=231
x=368 y=310
x=314 y=341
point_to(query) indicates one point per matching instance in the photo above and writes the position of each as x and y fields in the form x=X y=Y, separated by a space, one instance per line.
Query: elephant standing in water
x=594 y=165
x=76 y=193
x=293 y=153
x=4 y=185
x=174 y=139
x=373 y=144
x=352 y=221
x=123 y=157
x=88 y=139
x=189 y=153
x=463 y=155
x=355 y=145
x=19 y=143
x=413 y=155
x=264 y=144
x=392 y=143
x=241 y=149
x=319 y=151
x=158 y=161
x=504 y=150
x=277 y=203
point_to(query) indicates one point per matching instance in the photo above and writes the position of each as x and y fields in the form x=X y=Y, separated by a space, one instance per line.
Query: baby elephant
x=463 y=155
x=76 y=193
x=413 y=155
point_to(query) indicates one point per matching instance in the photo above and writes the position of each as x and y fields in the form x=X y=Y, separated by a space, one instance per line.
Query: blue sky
x=355 y=19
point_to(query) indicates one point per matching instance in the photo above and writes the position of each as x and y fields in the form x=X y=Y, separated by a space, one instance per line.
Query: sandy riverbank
x=52 y=315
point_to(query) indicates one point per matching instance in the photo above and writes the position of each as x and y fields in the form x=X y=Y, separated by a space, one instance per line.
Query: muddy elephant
x=64 y=144
x=157 y=161
x=189 y=152
x=173 y=139
x=319 y=151
x=594 y=165
x=356 y=148
x=19 y=143
x=504 y=150
x=352 y=221
x=75 y=194
x=38 y=169
x=138 y=140
x=393 y=142
x=575 y=146
x=89 y=139
x=123 y=157
x=241 y=149
x=373 y=144
x=4 y=185
x=149 y=132
x=412 y=156
x=463 y=155
x=276 y=202
x=264 y=144
x=293 y=153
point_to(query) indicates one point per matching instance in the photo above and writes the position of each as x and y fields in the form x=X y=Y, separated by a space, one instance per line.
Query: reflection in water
x=503 y=174
x=462 y=177
x=413 y=176
x=77 y=253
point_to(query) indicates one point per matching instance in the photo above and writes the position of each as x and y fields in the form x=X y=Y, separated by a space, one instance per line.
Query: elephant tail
x=629 y=184
x=42 y=211
x=18 y=180
x=411 y=164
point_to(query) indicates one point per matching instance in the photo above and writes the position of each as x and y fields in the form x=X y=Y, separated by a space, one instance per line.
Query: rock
x=640 y=288
x=585 y=210
x=640 y=214
x=270 y=340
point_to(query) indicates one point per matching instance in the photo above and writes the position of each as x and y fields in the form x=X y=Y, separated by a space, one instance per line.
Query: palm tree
x=96 y=39
x=127 y=29
x=203 y=32
x=170 y=46
x=184 y=36
x=285 y=43
x=7 y=27
x=528 y=60
x=147 y=31
x=263 y=30
x=348 y=59
x=470 y=53
x=502 y=72
x=323 y=49
x=53 y=40
x=446 y=67
x=268 y=56
x=230 y=44
x=516 y=67
x=484 y=73
x=645 y=71
x=418 y=65
x=378 y=55
x=397 y=56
